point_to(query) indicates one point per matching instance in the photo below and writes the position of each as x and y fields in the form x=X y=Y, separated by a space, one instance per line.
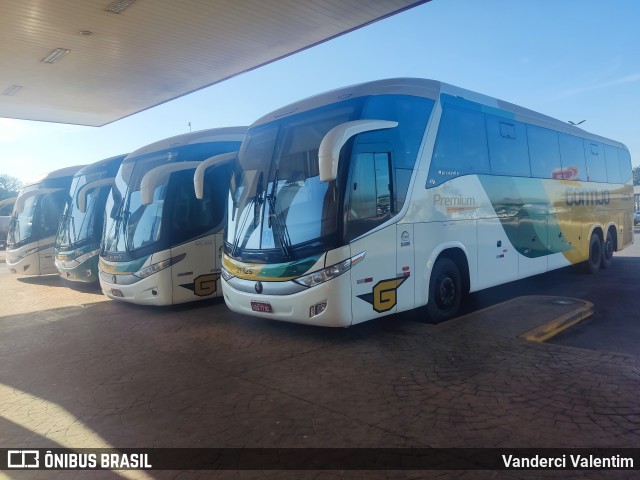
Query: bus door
x=194 y=277
x=51 y=208
x=197 y=275
x=374 y=279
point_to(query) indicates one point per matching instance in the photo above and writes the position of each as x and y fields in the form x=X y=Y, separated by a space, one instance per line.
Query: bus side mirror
x=84 y=191
x=334 y=140
x=156 y=176
x=198 y=177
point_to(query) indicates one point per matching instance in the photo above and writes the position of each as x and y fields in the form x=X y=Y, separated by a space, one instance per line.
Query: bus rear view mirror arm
x=153 y=178
x=84 y=191
x=198 y=177
x=334 y=140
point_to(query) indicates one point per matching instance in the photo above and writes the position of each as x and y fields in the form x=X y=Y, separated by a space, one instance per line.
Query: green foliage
x=9 y=187
x=636 y=175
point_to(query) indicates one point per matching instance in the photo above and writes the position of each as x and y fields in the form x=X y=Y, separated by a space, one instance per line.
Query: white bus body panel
x=373 y=275
x=39 y=262
x=197 y=277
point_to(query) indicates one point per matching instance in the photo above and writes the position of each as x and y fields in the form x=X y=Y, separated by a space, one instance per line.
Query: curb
x=553 y=327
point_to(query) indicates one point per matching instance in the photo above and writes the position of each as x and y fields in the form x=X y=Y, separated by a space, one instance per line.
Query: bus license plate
x=116 y=293
x=264 y=307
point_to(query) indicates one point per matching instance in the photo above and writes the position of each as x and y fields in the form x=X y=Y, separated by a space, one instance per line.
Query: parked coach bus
x=161 y=243
x=6 y=206
x=390 y=195
x=80 y=231
x=34 y=223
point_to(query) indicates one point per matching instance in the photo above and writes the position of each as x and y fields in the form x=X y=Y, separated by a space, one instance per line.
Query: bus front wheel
x=445 y=290
x=595 y=254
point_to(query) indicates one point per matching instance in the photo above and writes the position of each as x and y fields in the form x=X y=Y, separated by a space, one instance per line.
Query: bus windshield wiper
x=256 y=202
x=275 y=220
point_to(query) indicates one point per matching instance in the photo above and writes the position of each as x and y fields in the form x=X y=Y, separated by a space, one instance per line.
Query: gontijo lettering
x=584 y=196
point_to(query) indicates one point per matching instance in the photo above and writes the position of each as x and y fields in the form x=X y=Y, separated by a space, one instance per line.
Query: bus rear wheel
x=607 y=252
x=445 y=290
x=595 y=254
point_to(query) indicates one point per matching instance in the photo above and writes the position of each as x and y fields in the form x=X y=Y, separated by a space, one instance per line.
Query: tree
x=636 y=175
x=9 y=187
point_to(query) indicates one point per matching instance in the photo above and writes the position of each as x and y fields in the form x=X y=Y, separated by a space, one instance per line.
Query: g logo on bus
x=203 y=285
x=384 y=295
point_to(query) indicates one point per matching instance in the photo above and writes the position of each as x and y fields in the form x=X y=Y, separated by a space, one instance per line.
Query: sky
x=570 y=59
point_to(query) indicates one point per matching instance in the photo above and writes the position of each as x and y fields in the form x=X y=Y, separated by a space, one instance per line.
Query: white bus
x=80 y=231
x=161 y=243
x=390 y=195
x=34 y=223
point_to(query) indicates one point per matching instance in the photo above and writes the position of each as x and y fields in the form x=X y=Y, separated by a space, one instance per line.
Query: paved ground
x=78 y=370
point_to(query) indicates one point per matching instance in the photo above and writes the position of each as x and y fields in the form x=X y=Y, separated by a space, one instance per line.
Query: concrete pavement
x=78 y=370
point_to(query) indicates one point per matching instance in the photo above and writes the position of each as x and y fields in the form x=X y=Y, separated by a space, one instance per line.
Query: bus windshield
x=131 y=225
x=276 y=200
x=36 y=215
x=78 y=226
x=278 y=207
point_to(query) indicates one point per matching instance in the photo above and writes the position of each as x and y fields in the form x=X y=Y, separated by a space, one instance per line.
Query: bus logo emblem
x=258 y=287
x=384 y=295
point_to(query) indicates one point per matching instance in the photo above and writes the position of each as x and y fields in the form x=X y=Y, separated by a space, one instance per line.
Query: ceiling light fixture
x=13 y=89
x=119 y=5
x=56 y=55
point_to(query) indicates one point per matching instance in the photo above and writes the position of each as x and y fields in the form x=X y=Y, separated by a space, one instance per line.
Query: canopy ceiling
x=120 y=57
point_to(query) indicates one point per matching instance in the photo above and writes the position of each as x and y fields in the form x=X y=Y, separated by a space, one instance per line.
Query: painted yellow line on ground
x=553 y=327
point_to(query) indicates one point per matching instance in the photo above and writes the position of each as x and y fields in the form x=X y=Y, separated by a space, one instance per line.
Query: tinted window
x=625 y=165
x=461 y=146
x=50 y=212
x=370 y=186
x=572 y=157
x=613 y=164
x=596 y=166
x=190 y=217
x=412 y=114
x=544 y=152
x=508 y=153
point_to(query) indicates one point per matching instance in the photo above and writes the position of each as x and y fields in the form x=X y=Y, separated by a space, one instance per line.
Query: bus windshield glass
x=131 y=225
x=276 y=199
x=21 y=226
x=36 y=215
x=76 y=226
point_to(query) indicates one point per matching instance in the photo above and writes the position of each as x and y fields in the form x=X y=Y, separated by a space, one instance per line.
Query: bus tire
x=595 y=254
x=607 y=252
x=445 y=290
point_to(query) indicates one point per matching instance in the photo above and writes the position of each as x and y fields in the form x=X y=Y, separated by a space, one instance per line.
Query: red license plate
x=116 y=293
x=264 y=307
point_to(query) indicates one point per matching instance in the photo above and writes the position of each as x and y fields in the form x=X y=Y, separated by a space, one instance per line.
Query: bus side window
x=508 y=153
x=461 y=146
x=625 y=165
x=613 y=164
x=596 y=167
x=370 y=192
x=544 y=152
x=50 y=211
x=572 y=157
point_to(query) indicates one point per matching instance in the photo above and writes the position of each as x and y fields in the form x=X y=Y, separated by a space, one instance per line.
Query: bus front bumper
x=327 y=305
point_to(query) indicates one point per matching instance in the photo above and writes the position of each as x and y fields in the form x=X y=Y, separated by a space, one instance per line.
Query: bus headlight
x=156 y=267
x=225 y=274
x=326 y=274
